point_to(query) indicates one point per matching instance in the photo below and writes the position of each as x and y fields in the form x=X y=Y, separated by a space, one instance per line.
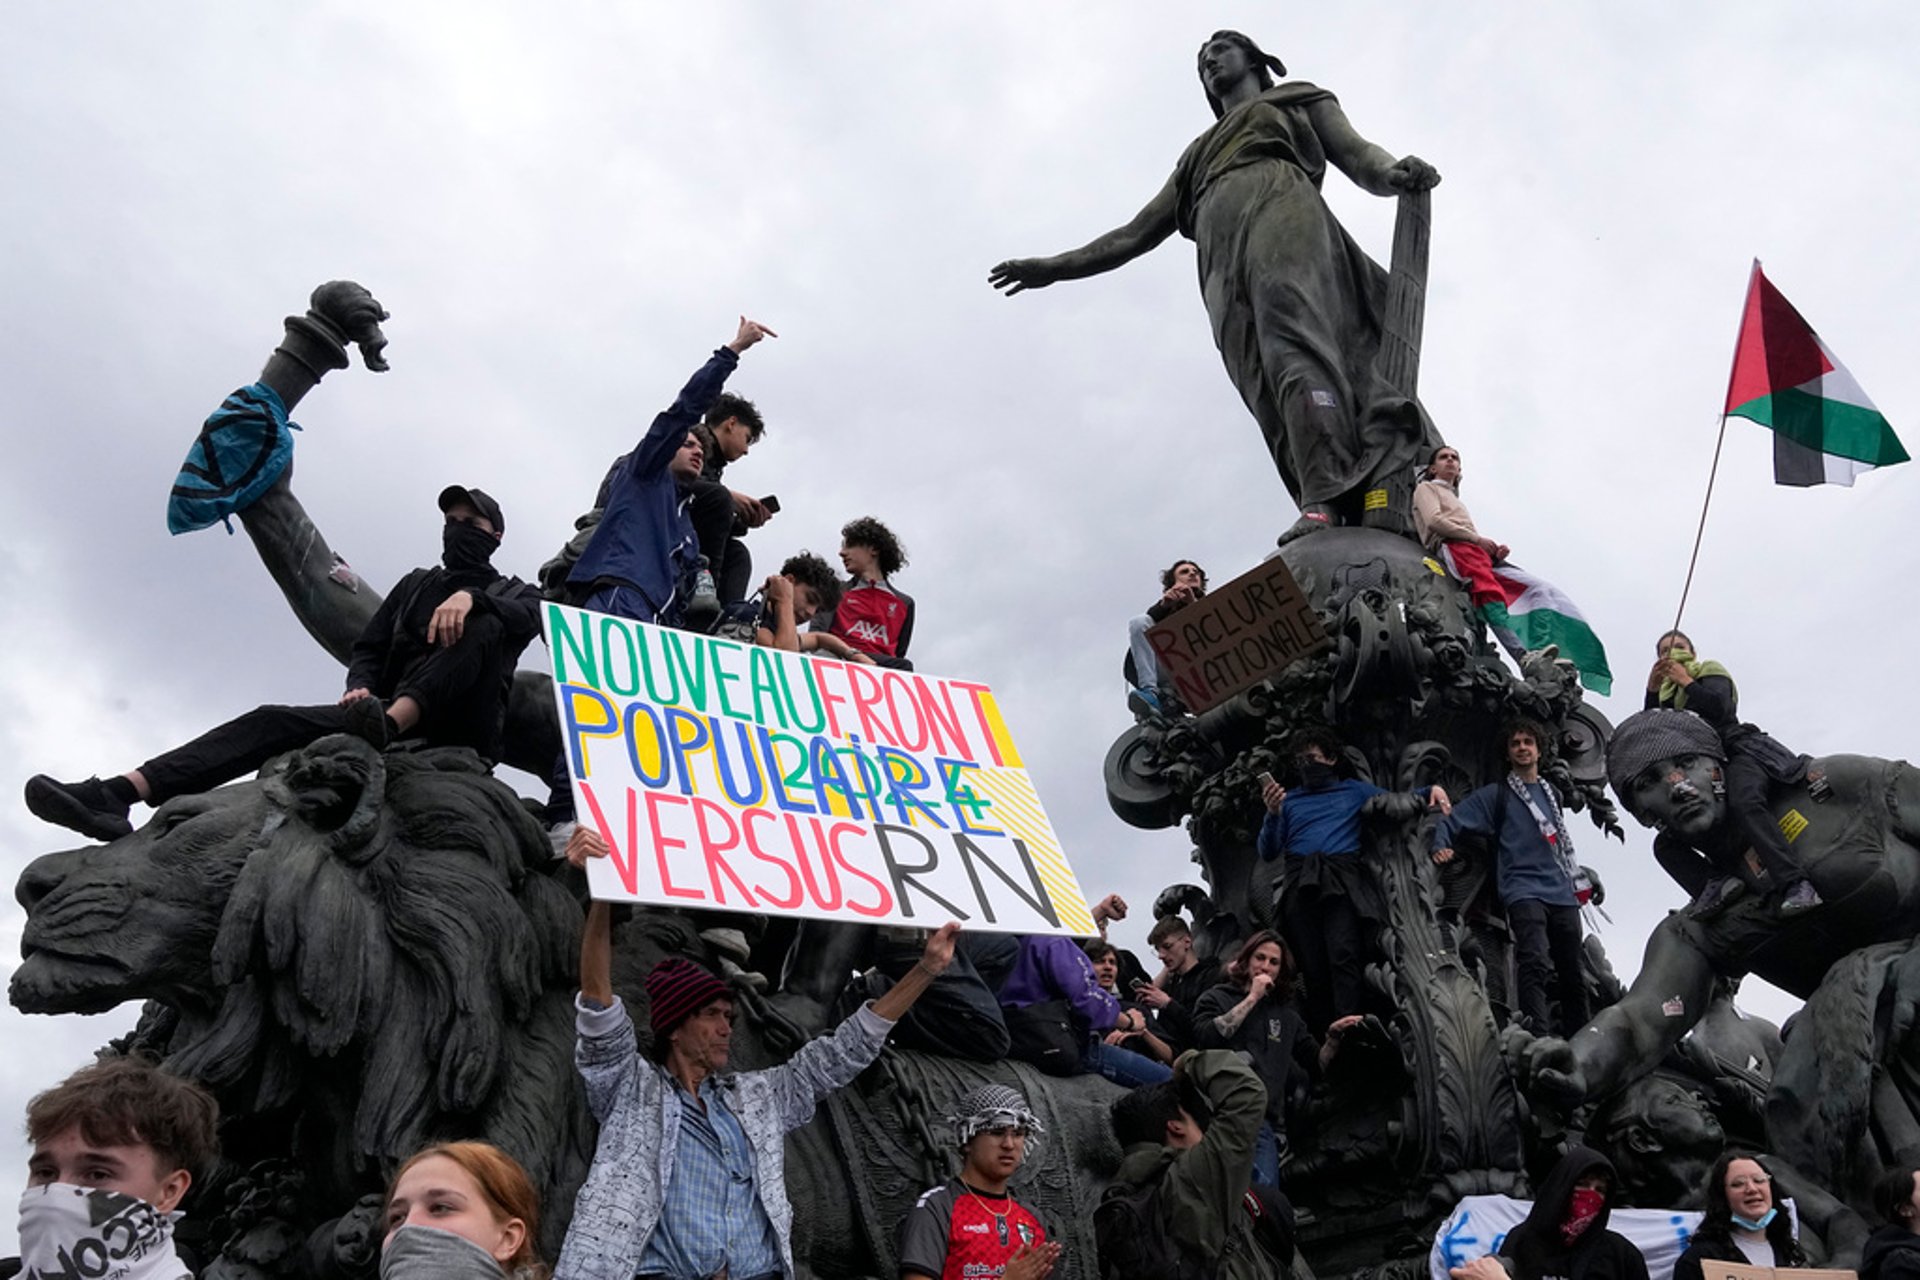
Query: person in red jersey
x=970 y=1227
x=875 y=618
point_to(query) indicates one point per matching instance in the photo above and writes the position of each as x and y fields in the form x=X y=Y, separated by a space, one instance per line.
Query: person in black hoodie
x=1742 y=1223
x=435 y=662
x=1565 y=1234
x=1893 y=1252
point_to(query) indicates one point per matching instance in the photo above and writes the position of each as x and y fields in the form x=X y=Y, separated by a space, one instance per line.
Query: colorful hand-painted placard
x=733 y=777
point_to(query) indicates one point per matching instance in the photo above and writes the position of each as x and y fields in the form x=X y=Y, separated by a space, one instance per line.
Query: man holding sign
x=689 y=1177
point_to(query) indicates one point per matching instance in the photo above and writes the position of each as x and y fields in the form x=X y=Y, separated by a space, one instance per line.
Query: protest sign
x=1237 y=635
x=734 y=777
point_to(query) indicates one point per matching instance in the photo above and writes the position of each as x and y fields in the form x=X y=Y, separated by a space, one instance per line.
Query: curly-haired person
x=875 y=619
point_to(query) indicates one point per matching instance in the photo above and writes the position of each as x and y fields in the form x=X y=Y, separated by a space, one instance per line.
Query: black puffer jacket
x=1892 y=1253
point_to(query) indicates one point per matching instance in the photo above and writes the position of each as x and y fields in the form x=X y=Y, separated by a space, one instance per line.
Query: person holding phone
x=722 y=517
x=1132 y=1029
x=1327 y=895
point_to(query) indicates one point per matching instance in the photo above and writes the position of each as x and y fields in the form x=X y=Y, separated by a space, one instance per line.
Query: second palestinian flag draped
x=1532 y=614
x=1825 y=429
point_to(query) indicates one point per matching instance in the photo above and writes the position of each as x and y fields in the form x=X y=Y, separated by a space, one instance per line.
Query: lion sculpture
x=359 y=954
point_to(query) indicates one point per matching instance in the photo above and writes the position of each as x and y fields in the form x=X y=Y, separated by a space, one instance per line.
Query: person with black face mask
x=1326 y=893
x=435 y=662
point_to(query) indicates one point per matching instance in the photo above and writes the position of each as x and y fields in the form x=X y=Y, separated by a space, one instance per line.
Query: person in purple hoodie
x=1058 y=1014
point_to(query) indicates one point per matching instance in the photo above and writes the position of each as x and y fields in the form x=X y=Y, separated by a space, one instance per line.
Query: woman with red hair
x=464 y=1209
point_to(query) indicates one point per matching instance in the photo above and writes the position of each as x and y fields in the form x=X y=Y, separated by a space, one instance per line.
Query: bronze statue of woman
x=1296 y=307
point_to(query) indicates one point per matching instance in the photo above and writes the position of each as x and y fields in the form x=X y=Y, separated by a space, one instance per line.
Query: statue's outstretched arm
x=1116 y=248
x=1371 y=166
x=328 y=598
x=1628 y=1039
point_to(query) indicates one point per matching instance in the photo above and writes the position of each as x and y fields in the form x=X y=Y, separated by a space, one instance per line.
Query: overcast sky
x=566 y=207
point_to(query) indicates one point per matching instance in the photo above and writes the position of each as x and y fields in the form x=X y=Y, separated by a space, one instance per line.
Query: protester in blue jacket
x=1539 y=883
x=642 y=558
x=1326 y=893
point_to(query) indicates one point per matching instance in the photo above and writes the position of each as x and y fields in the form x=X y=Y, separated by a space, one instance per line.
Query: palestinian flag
x=1825 y=430
x=1526 y=612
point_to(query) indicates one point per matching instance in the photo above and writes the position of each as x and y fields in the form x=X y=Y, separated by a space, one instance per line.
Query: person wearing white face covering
x=115 y=1147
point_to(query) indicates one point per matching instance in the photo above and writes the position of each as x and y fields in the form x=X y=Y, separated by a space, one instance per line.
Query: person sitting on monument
x=1327 y=895
x=1253 y=1013
x=874 y=617
x=1893 y=1252
x=461 y=1211
x=1133 y=1029
x=1565 y=1232
x=970 y=1225
x=435 y=662
x=1539 y=884
x=116 y=1145
x=1183 y=978
x=1181 y=583
x=1441 y=523
x=1754 y=765
x=689 y=1176
x=1058 y=1015
x=771 y=617
x=1186 y=1199
x=1742 y=1223
x=722 y=516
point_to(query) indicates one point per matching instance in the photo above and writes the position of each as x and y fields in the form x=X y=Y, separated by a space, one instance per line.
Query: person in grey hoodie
x=688 y=1180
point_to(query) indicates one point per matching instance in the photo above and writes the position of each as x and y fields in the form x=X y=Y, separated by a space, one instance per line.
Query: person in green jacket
x=1202 y=1168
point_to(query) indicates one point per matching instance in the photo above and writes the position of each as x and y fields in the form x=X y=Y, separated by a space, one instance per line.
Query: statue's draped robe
x=1296 y=306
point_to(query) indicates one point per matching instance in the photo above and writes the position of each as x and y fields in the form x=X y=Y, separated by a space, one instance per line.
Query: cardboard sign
x=1237 y=635
x=1711 y=1270
x=733 y=777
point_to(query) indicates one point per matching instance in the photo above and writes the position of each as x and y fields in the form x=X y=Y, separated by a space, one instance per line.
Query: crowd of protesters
x=1217 y=1060
x=688 y=1180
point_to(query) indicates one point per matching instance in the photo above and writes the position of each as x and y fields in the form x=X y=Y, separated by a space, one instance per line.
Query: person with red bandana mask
x=1565 y=1235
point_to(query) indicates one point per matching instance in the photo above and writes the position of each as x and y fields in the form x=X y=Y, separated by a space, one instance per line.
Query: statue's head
x=1663 y=1137
x=1669 y=770
x=1226 y=58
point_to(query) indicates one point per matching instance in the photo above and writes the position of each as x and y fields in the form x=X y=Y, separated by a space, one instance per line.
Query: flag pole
x=1701 y=532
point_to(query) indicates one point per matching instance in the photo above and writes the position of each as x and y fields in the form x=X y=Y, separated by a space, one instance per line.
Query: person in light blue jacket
x=688 y=1180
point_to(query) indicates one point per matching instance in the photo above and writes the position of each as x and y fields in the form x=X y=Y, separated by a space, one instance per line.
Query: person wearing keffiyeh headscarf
x=971 y=1225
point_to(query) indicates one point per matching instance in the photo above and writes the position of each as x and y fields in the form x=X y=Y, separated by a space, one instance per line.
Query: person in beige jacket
x=1445 y=528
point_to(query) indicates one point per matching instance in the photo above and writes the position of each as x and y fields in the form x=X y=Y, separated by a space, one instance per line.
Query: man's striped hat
x=676 y=990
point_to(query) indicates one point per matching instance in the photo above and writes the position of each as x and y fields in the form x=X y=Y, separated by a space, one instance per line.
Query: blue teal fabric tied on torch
x=242 y=449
